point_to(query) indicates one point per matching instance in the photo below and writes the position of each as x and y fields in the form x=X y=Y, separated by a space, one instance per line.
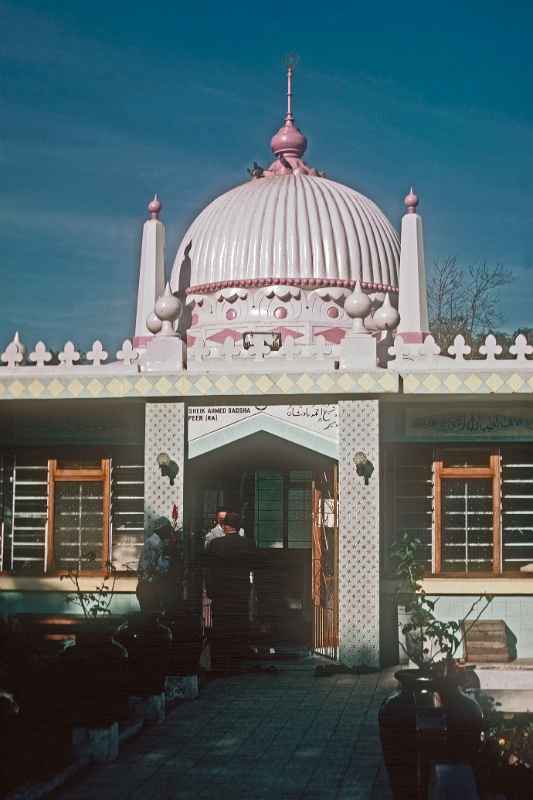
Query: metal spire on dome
x=291 y=63
x=289 y=144
x=289 y=140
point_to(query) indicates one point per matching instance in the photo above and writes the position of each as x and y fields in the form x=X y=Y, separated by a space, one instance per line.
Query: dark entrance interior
x=279 y=490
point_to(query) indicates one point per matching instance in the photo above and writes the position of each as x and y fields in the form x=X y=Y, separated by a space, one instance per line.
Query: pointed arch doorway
x=287 y=496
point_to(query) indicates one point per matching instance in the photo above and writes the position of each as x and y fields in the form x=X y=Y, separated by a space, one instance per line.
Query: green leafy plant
x=95 y=603
x=431 y=643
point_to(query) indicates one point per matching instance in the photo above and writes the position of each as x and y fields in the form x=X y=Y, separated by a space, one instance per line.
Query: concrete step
x=514 y=675
x=512 y=701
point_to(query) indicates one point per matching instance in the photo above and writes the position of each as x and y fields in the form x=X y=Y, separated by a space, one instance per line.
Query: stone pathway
x=281 y=736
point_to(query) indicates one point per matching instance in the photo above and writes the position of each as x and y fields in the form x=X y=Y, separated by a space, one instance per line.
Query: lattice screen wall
x=358 y=534
x=164 y=432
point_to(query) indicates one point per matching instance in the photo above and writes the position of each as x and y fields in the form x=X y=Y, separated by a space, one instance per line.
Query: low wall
x=515 y=610
x=54 y=602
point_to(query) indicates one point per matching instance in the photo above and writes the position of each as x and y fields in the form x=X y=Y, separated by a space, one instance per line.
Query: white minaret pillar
x=413 y=302
x=151 y=272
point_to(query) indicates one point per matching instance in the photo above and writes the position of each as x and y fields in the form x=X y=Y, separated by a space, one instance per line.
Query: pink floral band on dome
x=305 y=283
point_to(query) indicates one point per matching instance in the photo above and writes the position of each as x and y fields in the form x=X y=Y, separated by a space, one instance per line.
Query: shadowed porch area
x=284 y=735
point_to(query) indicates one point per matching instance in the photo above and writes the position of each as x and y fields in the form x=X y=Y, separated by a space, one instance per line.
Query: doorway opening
x=286 y=496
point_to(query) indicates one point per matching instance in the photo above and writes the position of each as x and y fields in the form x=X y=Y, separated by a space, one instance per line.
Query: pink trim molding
x=306 y=283
x=332 y=335
x=141 y=341
x=285 y=332
x=413 y=337
x=224 y=334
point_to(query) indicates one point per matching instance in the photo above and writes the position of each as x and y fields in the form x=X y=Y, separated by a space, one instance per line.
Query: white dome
x=295 y=229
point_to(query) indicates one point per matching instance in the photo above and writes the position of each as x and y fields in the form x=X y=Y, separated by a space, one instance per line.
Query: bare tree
x=464 y=301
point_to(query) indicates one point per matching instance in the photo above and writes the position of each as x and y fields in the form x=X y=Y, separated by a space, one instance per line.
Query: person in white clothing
x=218 y=530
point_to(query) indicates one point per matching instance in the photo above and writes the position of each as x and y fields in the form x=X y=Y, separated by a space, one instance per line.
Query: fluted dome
x=295 y=229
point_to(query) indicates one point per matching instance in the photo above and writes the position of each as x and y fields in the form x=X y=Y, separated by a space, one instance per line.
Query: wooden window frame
x=492 y=472
x=98 y=475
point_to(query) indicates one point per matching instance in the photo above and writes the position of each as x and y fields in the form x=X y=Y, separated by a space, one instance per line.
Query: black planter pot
x=186 y=642
x=511 y=782
x=94 y=676
x=426 y=720
x=464 y=719
x=148 y=642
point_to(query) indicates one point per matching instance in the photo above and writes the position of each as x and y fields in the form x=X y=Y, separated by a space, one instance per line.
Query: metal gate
x=325 y=594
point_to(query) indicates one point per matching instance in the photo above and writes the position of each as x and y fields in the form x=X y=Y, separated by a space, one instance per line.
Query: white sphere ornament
x=386 y=317
x=370 y=323
x=358 y=304
x=153 y=323
x=167 y=307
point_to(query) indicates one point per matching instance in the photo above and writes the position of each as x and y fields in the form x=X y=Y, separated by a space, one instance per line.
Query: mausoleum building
x=286 y=369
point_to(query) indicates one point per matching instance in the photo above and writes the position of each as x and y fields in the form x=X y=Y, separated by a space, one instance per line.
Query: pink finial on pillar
x=154 y=207
x=411 y=201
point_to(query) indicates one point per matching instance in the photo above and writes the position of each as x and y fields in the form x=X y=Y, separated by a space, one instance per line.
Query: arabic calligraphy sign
x=515 y=423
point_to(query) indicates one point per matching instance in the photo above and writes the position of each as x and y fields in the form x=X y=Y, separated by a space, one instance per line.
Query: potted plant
x=36 y=738
x=429 y=717
x=95 y=669
x=505 y=764
x=145 y=634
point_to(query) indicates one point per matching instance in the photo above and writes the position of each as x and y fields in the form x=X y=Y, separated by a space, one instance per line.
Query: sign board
x=471 y=424
x=313 y=426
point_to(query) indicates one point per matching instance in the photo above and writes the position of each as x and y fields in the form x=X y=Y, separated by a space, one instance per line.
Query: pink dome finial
x=411 y=201
x=289 y=140
x=154 y=207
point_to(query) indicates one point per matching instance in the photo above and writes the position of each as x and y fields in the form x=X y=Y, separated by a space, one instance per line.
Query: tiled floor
x=282 y=736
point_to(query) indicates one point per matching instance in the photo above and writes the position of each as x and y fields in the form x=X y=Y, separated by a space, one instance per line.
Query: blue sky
x=105 y=103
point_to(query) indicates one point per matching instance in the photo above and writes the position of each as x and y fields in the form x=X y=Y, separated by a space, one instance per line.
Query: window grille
x=78 y=518
x=24 y=511
x=517 y=507
x=269 y=509
x=127 y=511
x=467 y=525
x=29 y=514
x=283 y=509
x=472 y=506
x=413 y=489
x=299 y=509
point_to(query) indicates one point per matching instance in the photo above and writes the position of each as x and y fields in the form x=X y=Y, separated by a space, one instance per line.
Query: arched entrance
x=286 y=495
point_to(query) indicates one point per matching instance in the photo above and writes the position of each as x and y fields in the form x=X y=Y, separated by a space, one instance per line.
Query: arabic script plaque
x=467 y=423
x=319 y=419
